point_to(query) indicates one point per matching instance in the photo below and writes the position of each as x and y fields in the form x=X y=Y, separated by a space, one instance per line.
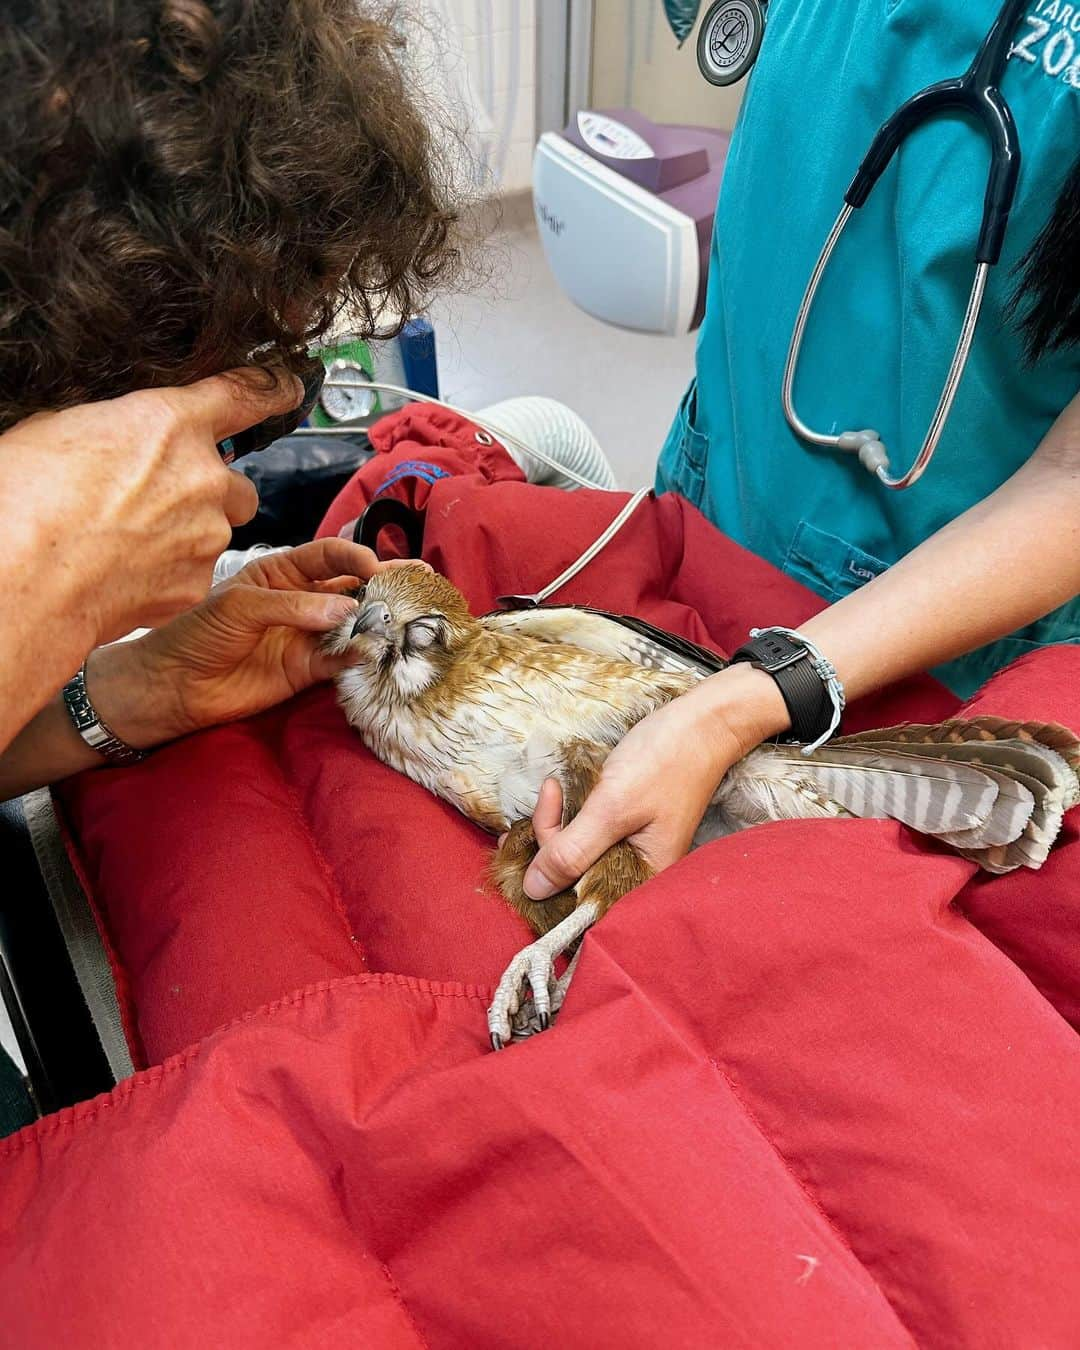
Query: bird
x=482 y=710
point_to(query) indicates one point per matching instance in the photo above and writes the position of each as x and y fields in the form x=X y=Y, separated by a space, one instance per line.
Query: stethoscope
x=728 y=43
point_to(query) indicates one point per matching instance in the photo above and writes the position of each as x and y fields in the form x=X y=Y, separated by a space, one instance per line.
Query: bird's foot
x=528 y=995
x=527 y=1020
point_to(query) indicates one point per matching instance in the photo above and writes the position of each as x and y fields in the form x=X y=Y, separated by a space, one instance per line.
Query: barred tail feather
x=994 y=790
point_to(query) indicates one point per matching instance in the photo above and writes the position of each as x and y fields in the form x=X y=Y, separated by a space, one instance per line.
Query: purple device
x=625 y=209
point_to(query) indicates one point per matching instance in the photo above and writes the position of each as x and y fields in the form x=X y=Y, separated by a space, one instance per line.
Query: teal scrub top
x=890 y=308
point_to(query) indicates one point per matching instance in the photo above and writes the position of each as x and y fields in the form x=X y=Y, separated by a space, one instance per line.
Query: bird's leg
x=509 y=864
x=510 y=1017
x=536 y=966
x=563 y=919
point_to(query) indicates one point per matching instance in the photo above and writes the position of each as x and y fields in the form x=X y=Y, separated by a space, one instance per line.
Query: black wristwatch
x=794 y=669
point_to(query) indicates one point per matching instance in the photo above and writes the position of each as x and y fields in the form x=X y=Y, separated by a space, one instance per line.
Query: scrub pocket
x=682 y=461
x=830 y=566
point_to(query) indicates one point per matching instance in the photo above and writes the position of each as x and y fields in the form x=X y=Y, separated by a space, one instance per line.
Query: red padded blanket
x=816 y=1085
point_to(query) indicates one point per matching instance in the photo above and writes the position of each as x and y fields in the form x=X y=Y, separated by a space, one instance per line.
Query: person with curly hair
x=191 y=191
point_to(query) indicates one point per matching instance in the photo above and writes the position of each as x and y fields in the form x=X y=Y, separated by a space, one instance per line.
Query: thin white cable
x=601 y=542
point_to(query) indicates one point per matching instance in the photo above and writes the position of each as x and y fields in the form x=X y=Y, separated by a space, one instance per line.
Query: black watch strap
x=793 y=668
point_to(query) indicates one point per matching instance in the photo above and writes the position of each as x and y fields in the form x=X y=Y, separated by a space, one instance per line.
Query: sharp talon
x=496 y=1041
x=545 y=1021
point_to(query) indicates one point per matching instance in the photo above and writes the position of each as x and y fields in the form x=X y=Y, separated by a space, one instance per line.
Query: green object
x=356 y=352
x=682 y=15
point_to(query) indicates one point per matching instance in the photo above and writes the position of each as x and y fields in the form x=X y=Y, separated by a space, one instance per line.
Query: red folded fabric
x=815 y=1085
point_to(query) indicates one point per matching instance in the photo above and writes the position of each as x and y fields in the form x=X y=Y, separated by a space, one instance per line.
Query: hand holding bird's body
x=483 y=711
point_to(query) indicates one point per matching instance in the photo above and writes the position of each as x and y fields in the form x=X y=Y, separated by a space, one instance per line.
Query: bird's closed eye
x=423 y=633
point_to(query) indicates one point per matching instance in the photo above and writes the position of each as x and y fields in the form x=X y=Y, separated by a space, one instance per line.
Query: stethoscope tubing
x=977 y=94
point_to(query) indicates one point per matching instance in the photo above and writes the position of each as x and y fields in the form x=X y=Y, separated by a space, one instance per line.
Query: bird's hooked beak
x=374 y=618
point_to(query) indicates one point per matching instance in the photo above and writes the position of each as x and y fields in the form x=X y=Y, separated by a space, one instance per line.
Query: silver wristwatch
x=90 y=726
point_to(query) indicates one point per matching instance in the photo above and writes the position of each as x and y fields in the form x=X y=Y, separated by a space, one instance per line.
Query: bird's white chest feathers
x=489 y=751
x=486 y=756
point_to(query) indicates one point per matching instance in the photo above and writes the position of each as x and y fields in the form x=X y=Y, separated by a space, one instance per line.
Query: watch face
x=347 y=395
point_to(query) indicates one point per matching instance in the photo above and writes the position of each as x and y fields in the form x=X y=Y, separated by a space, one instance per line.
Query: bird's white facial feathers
x=371 y=689
x=399 y=658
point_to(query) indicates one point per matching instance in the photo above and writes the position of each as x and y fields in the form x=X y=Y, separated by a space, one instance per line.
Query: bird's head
x=411 y=626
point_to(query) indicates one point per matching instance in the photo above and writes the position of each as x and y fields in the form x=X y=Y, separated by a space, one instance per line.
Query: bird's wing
x=1043 y=749
x=995 y=791
x=617 y=637
x=1042 y=757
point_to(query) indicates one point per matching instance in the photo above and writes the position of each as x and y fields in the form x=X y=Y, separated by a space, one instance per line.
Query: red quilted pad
x=814 y=1086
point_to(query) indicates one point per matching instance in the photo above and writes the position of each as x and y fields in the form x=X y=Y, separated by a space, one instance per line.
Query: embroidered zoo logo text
x=1052 y=41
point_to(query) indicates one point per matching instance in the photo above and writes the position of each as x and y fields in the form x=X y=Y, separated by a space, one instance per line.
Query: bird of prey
x=481 y=711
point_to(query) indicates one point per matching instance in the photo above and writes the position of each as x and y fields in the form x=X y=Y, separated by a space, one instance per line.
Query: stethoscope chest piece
x=729 y=39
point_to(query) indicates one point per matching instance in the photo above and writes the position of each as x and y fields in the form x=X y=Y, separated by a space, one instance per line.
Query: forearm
x=45 y=631
x=1005 y=563
x=49 y=748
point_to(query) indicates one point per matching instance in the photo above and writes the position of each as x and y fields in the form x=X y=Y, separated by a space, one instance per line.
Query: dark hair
x=1047 y=299
x=185 y=182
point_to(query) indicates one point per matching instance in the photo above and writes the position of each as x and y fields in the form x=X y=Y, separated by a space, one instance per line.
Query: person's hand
x=124 y=506
x=659 y=779
x=255 y=641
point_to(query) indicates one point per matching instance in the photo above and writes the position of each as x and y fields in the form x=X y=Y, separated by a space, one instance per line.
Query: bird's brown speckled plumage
x=482 y=711
x=479 y=716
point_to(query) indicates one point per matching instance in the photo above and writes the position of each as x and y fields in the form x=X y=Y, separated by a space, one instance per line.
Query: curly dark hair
x=186 y=182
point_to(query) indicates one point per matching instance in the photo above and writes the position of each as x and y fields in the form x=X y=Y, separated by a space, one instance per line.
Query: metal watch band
x=90 y=726
x=805 y=694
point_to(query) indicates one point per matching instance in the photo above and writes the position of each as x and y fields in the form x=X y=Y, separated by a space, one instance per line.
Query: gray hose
x=558 y=433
